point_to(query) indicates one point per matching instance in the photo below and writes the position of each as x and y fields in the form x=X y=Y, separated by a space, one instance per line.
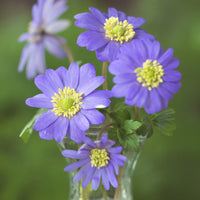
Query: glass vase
x=124 y=190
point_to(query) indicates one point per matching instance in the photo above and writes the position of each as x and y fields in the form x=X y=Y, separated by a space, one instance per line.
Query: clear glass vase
x=124 y=190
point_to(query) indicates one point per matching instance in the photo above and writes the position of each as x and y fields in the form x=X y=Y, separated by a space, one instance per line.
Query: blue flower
x=40 y=36
x=71 y=101
x=108 y=32
x=99 y=160
x=145 y=75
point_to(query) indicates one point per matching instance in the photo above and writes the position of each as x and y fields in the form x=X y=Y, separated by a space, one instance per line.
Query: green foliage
x=28 y=129
x=146 y=129
x=130 y=125
x=124 y=127
x=164 y=121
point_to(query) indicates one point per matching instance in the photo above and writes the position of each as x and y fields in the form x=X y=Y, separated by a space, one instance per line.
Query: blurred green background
x=169 y=167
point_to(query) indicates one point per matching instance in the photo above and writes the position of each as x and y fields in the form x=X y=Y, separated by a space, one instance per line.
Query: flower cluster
x=143 y=73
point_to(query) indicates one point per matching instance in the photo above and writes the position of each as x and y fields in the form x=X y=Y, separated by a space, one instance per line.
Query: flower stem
x=65 y=47
x=104 y=192
x=104 y=73
x=137 y=113
x=117 y=191
x=104 y=127
x=84 y=193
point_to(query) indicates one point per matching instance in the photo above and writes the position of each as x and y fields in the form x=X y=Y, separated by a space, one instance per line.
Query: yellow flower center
x=118 y=31
x=150 y=75
x=99 y=158
x=67 y=102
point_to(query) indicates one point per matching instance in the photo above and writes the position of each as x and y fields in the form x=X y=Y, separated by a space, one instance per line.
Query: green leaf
x=146 y=129
x=28 y=129
x=133 y=143
x=130 y=125
x=164 y=121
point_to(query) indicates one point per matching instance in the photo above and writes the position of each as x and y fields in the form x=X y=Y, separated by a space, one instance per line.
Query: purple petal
x=103 y=142
x=121 y=90
x=114 y=50
x=89 y=142
x=99 y=15
x=63 y=74
x=40 y=59
x=42 y=83
x=115 y=166
x=118 y=67
x=31 y=69
x=109 y=144
x=118 y=159
x=74 y=154
x=111 y=175
x=24 y=37
x=136 y=21
x=165 y=93
x=81 y=121
x=172 y=76
x=57 y=26
x=133 y=90
x=155 y=50
x=166 y=57
x=94 y=116
x=121 y=16
x=53 y=12
x=92 y=40
x=59 y=128
x=112 y=12
x=142 y=34
x=173 y=64
x=172 y=86
x=96 y=99
x=102 y=53
x=39 y=101
x=87 y=71
x=24 y=57
x=105 y=180
x=88 y=176
x=115 y=150
x=154 y=102
x=75 y=133
x=82 y=172
x=140 y=98
x=73 y=75
x=124 y=78
x=76 y=165
x=54 y=81
x=53 y=46
x=96 y=180
x=91 y=85
x=44 y=120
x=46 y=135
x=88 y=21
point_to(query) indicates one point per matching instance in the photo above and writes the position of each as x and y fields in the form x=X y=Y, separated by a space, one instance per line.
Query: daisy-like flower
x=71 y=101
x=145 y=75
x=99 y=160
x=108 y=32
x=39 y=36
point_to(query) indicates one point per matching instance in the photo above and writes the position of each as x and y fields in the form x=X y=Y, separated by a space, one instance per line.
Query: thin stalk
x=65 y=47
x=137 y=113
x=84 y=193
x=104 y=73
x=104 y=192
x=117 y=191
x=102 y=130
